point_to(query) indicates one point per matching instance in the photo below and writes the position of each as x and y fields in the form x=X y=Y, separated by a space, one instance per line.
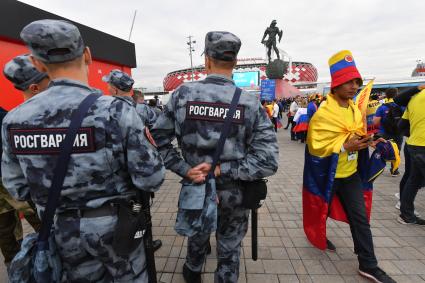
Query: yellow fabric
x=372 y=106
x=328 y=130
x=346 y=167
x=397 y=161
x=269 y=110
x=339 y=56
x=362 y=101
x=363 y=98
x=405 y=115
x=416 y=115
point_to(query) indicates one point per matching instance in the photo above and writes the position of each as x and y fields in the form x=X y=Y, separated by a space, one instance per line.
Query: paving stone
x=385 y=253
x=263 y=278
x=326 y=278
x=384 y=242
x=313 y=266
x=389 y=267
x=304 y=279
x=166 y=278
x=254 y=266
x=171 y=264
x=410 y=266
x=288 y=278
x=160 y=263
x=408 y=253
x=354 y=279
x=329 y=267
x=278 y=266
x=408 y=279
x=298 y=266
x=311 y=253
x=279 y=253
x=347 y=267
x=292 y=253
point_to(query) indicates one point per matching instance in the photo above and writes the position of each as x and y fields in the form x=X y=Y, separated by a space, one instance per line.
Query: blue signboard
x=246 y=79
x=268 y=90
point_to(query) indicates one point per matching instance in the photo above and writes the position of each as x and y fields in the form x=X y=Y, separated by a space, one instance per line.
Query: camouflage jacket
x=195 y=115
x=111 y=155
x=147 y=114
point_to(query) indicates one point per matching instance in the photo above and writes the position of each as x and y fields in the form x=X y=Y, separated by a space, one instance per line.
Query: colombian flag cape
x=326 y=135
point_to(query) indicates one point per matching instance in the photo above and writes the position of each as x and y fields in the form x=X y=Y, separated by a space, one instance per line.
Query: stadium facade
x=248 y=74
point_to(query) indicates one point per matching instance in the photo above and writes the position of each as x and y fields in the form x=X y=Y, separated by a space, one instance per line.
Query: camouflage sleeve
x=164 y=133
x=151 y=117
x=12 y=175
x=262 y=155
x=143 y=162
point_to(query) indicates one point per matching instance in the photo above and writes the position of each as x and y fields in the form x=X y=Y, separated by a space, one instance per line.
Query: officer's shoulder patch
x=213 y=111
x=45 y=141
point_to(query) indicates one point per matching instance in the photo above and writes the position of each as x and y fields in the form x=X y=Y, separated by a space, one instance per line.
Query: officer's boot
x=191 y=276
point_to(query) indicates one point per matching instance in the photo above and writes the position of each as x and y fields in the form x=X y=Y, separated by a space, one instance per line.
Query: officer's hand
x=196 y=175
x=421 y=87
x=356 y=143
x=206 y=167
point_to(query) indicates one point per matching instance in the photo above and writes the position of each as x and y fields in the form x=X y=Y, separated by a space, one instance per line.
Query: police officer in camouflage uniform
x=111 y=158
x=194 y=116
x=25 y=77
x=120 y=84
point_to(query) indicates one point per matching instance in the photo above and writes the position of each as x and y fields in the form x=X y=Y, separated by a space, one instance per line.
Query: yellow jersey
x=416 y=115
x=347 y=162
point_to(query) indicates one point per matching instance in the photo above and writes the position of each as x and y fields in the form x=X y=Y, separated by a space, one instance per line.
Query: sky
x=386 y=37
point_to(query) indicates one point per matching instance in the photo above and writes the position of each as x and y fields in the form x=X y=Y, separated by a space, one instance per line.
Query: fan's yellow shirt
x=416 y=115
x=347 y=162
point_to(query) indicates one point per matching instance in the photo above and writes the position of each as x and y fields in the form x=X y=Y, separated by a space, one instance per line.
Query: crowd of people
x=299 y=111
x=84 y=162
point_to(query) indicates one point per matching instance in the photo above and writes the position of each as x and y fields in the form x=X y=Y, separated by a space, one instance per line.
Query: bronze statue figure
x=272 y=31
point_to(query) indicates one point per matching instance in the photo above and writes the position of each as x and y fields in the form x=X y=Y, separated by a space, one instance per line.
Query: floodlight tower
x=191 y=49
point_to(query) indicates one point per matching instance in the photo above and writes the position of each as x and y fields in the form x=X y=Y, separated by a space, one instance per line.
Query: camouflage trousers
x=10 y=223
x=232 y=228
x=85 y=248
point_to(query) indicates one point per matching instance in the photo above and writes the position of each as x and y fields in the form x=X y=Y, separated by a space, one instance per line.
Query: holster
x=130 y=228
x=253 y=193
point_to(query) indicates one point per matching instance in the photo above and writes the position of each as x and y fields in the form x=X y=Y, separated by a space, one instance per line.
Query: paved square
x=284 y=254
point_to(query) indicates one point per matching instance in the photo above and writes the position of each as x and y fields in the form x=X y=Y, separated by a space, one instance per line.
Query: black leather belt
x=104 y=210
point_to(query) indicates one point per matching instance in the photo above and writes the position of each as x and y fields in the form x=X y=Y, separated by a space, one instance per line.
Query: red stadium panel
x=10 y=97
x=300 y=72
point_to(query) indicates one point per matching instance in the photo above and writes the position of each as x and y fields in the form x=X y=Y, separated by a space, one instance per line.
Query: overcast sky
x=385 y=36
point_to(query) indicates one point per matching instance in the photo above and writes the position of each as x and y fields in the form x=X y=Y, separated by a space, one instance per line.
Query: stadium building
x=248 y=74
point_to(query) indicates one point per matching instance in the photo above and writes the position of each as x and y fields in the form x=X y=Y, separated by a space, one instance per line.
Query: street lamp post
x=191 y=49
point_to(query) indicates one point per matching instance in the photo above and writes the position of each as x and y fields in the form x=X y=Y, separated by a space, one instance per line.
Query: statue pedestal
x=276 y=69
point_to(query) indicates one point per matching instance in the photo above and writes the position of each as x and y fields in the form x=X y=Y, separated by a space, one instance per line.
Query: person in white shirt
x=275 y=114
x=292 y=110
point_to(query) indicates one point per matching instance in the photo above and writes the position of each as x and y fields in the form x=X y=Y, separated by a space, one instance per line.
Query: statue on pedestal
x=277 y=68
x=272 y=31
